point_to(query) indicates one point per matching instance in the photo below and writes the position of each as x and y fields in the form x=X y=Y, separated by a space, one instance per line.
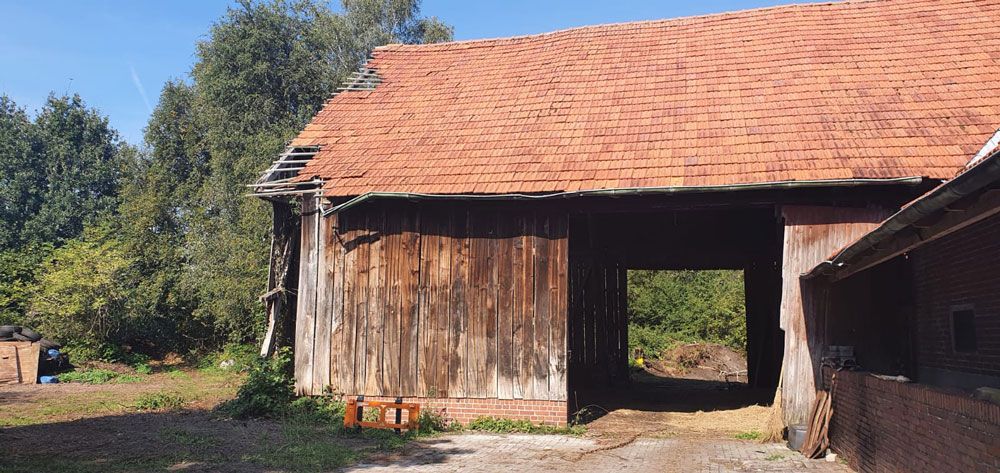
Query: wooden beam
x=986 y=205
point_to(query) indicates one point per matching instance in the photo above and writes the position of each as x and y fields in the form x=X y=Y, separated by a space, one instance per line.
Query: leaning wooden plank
x=305 y=318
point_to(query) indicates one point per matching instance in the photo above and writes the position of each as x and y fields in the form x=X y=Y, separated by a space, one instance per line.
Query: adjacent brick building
x=919 y=297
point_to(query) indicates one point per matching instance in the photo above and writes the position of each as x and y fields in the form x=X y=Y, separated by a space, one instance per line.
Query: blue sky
x=118 y=53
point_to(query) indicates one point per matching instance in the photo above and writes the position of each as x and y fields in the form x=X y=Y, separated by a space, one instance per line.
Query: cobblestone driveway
x=478 y=453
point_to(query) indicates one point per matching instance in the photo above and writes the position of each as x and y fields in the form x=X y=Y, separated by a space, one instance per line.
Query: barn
x=465 y=213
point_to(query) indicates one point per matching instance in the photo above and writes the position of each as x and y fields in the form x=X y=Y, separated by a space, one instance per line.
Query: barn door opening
x=674 y=318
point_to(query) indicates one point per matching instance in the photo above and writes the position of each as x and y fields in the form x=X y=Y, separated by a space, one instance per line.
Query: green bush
x=268 y=390
x=97 y=376
x=159 y=401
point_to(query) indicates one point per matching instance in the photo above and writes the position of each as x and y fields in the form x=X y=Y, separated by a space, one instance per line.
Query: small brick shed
x=920 y=297
x=467 y=211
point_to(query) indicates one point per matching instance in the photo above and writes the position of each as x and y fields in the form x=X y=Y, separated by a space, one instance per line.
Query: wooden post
x=282 y=278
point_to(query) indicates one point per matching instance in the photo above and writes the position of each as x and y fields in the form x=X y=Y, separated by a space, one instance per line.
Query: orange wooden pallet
x=354 y=415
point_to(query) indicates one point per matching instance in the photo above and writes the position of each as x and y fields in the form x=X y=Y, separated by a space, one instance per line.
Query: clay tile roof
x=861 y=89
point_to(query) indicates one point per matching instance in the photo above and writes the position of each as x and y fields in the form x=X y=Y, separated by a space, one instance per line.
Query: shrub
x=97 y=376
x=159 y=401
x=267 y=391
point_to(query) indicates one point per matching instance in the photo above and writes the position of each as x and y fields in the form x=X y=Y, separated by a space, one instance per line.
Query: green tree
x=264 y=71
x=156 y=203
x=689 y=305
x=22 y=176
x=80 y=159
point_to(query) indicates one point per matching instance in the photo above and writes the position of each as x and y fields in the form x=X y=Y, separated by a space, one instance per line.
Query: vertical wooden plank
x=348 y=352
x=442 y=313
x=324 y=308
x=458 y=342
x=505 y=306
x=427 y=359
x=305 y=317
x=526 y=347
x=543 y=307
x=409 y=301
x=372 y=357
x=336 y=273
x=362 y=264
x=390 y=280
x=558 y=286
x=490 y=306
x=475 y=317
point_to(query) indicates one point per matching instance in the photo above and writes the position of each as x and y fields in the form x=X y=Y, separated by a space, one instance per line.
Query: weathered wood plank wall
x=434 y=301
x=812 y=234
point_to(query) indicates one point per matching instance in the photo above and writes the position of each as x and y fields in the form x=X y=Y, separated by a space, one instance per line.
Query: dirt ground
x=656 y=424
x=684 y=394
x=74 y=427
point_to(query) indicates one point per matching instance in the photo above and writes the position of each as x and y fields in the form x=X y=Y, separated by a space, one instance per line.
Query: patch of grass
x=159 y=401
x=751 y=435
x=304 y=448
x=505 y=426
x=775 y=457
x=97 y=376
x=143 y=368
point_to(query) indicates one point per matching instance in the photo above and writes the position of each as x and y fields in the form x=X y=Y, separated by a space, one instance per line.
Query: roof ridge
x=468 y=43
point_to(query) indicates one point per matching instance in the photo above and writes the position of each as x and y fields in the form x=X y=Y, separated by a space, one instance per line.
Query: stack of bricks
x=465 y=410
x=881 y=425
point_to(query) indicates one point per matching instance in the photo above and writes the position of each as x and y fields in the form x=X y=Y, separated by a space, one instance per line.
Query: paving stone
x=483 y=453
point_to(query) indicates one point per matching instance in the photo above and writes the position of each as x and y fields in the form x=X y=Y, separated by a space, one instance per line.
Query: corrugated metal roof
x=868 y=89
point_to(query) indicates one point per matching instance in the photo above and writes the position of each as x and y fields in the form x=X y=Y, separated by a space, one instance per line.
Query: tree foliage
x=106 y=245
x=686 y=305
x=82 y=292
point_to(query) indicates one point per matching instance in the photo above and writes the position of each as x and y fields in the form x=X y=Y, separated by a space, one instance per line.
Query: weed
x=775 y=457
x=503 y=426
x=159 y=401
x=267 y=391
x=143 y=368
x=316 y=410
x=97 y=376
x=751 y=435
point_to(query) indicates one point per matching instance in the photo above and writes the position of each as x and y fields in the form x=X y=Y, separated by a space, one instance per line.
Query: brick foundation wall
x=958 y=269
x=883 y=425
x=465 y=410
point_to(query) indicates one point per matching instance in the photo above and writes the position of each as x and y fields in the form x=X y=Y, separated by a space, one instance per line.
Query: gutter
x=974 y=179
x=625 y=191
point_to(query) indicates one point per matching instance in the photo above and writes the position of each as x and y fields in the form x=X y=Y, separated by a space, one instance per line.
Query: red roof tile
x=863 y=89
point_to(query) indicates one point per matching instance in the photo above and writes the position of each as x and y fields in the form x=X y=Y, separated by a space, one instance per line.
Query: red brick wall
x=961 y=268
x=465 y=410
x=888 y=426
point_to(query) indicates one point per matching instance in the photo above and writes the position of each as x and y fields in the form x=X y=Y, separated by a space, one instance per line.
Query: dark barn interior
x=603 y=246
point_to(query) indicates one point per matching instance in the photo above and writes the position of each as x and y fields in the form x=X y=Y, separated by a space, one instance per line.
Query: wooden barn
x=469 y=210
